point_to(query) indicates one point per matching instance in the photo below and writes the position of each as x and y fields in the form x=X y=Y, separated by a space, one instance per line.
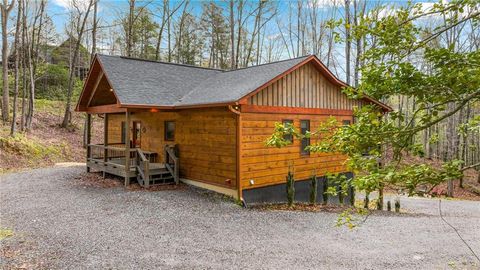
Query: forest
x=422 y=58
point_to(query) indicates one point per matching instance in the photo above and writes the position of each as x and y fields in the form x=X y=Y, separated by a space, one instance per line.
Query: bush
x=313 y=189
x=290 y=188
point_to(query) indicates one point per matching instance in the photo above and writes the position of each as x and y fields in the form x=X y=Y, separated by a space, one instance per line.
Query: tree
x=16 y=72
x=375 y=144
x=5 y=9
x=79 y=15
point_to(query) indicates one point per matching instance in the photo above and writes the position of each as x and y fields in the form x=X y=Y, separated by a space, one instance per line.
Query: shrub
x=313 y=189
x=290 y=188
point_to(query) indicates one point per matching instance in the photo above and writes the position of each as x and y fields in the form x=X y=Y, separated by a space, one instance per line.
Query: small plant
x=5 y=232
x=389 y=206
x=380 y=199
x=366 y=201
x=290 y=188
x=325 y=188
x=397 y=205
x=313 y=189
x=340 y=195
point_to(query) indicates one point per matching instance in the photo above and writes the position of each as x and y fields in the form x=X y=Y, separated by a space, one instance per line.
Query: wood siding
x=206 y=140
x=304 y=87
x=268 y=165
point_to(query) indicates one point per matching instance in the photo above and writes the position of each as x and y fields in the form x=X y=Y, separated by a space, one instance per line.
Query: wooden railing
x=172 y=162
x=143 y=168
x=111 y=152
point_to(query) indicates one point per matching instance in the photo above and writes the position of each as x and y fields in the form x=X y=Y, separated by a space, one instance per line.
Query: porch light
x=252 y=182
x=153 y=110
x=111 y=90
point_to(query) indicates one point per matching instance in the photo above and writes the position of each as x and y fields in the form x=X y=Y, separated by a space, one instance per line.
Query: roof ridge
x=275 y=62
x=161 y=62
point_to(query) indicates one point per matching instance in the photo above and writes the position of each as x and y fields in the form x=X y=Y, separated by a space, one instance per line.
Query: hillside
x=47 y=143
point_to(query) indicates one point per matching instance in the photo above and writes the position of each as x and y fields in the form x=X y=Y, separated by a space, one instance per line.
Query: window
x=124 y=133
x=290 y=136
x=346 y=122
x=304 y=127
x=169 y=130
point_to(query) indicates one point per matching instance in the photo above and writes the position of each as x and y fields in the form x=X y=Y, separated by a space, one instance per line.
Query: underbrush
x=31 y=151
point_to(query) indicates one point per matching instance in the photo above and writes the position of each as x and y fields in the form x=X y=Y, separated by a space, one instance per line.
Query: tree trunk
x=68 y=114
x=348 y=43
x=5 y=9
x=17 y=61
x=232 y=36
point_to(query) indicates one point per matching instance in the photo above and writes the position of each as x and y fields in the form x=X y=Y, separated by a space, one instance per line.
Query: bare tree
x=81 y=15
x=16 y=72
x=5 y=9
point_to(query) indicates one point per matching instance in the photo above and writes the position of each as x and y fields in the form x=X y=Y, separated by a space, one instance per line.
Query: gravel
x=59 y=224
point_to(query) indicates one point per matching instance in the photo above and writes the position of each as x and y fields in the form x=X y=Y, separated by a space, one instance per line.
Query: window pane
x=169 y=130
x=288 y=137
x=304 y=127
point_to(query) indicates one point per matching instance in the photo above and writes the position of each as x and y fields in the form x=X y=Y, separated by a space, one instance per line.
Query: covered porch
x=141 y=165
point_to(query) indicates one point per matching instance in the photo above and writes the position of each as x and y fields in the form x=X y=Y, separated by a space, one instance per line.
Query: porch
x=136 y=163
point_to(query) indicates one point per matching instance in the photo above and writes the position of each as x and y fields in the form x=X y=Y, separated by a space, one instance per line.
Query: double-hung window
x=304 y=127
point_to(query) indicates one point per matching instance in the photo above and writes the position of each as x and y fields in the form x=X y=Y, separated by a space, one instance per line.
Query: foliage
x=4 y=233
x=348 y=218
x=21 y=145
x=290 y=188
x=52 y=81
x=451 y=81
x=313 y=189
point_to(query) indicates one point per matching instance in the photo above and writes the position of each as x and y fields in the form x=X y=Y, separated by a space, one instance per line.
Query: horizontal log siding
x=206 y=140
x=267 y=165
x=304 y=87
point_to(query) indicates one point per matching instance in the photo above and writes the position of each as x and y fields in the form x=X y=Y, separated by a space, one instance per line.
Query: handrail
x=143 y=166
x=170 y=155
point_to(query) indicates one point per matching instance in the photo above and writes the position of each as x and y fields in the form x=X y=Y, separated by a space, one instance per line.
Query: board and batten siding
x=206 y=139
x=269 y=165
x=304 y=87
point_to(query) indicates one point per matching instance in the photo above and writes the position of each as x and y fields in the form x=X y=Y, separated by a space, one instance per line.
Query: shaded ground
x=46 y=143
x=61 y=223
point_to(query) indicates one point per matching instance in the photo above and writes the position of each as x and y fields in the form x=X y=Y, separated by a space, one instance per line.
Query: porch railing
x=172 y=162
x=112 y=153
x=143 y=168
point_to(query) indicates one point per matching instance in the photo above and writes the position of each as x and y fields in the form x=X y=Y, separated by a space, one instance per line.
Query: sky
x=110 y=9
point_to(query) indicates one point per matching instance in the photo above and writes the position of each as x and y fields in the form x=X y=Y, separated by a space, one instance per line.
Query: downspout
x=236 y=110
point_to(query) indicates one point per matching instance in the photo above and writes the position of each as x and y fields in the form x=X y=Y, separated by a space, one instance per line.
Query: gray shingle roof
x=151 y=83
x=140 y=82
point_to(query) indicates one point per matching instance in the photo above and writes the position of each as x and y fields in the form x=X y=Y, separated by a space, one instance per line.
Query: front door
x=136 y=136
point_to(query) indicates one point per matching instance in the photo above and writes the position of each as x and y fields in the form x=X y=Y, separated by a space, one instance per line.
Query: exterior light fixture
x=252 y=182
x=153 y=110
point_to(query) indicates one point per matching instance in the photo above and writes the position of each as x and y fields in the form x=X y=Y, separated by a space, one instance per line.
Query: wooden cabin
x=167 y=122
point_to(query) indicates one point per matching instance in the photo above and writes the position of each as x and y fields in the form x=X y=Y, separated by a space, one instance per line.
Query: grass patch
x=22 y=145
x=4 y=233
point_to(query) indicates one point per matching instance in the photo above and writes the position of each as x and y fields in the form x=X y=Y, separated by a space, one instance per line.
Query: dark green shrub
x=397 y=205
x=389 y=206
x=367 y=201
x=290 y=188
x=313 y=189
x=325 y=188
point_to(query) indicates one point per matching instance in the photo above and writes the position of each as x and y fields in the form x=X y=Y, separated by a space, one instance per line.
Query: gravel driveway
x=58 y=224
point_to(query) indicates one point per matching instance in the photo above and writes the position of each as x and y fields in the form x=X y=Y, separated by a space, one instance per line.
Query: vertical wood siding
x=206 y=140
x=304 y=87
x=269 y=165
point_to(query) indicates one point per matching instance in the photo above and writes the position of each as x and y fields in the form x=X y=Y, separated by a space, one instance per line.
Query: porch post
x=89 y=136
x=105 y=140
x=127 y=148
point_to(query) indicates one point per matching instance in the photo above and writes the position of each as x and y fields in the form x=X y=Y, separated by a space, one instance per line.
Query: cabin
x=170 y=123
